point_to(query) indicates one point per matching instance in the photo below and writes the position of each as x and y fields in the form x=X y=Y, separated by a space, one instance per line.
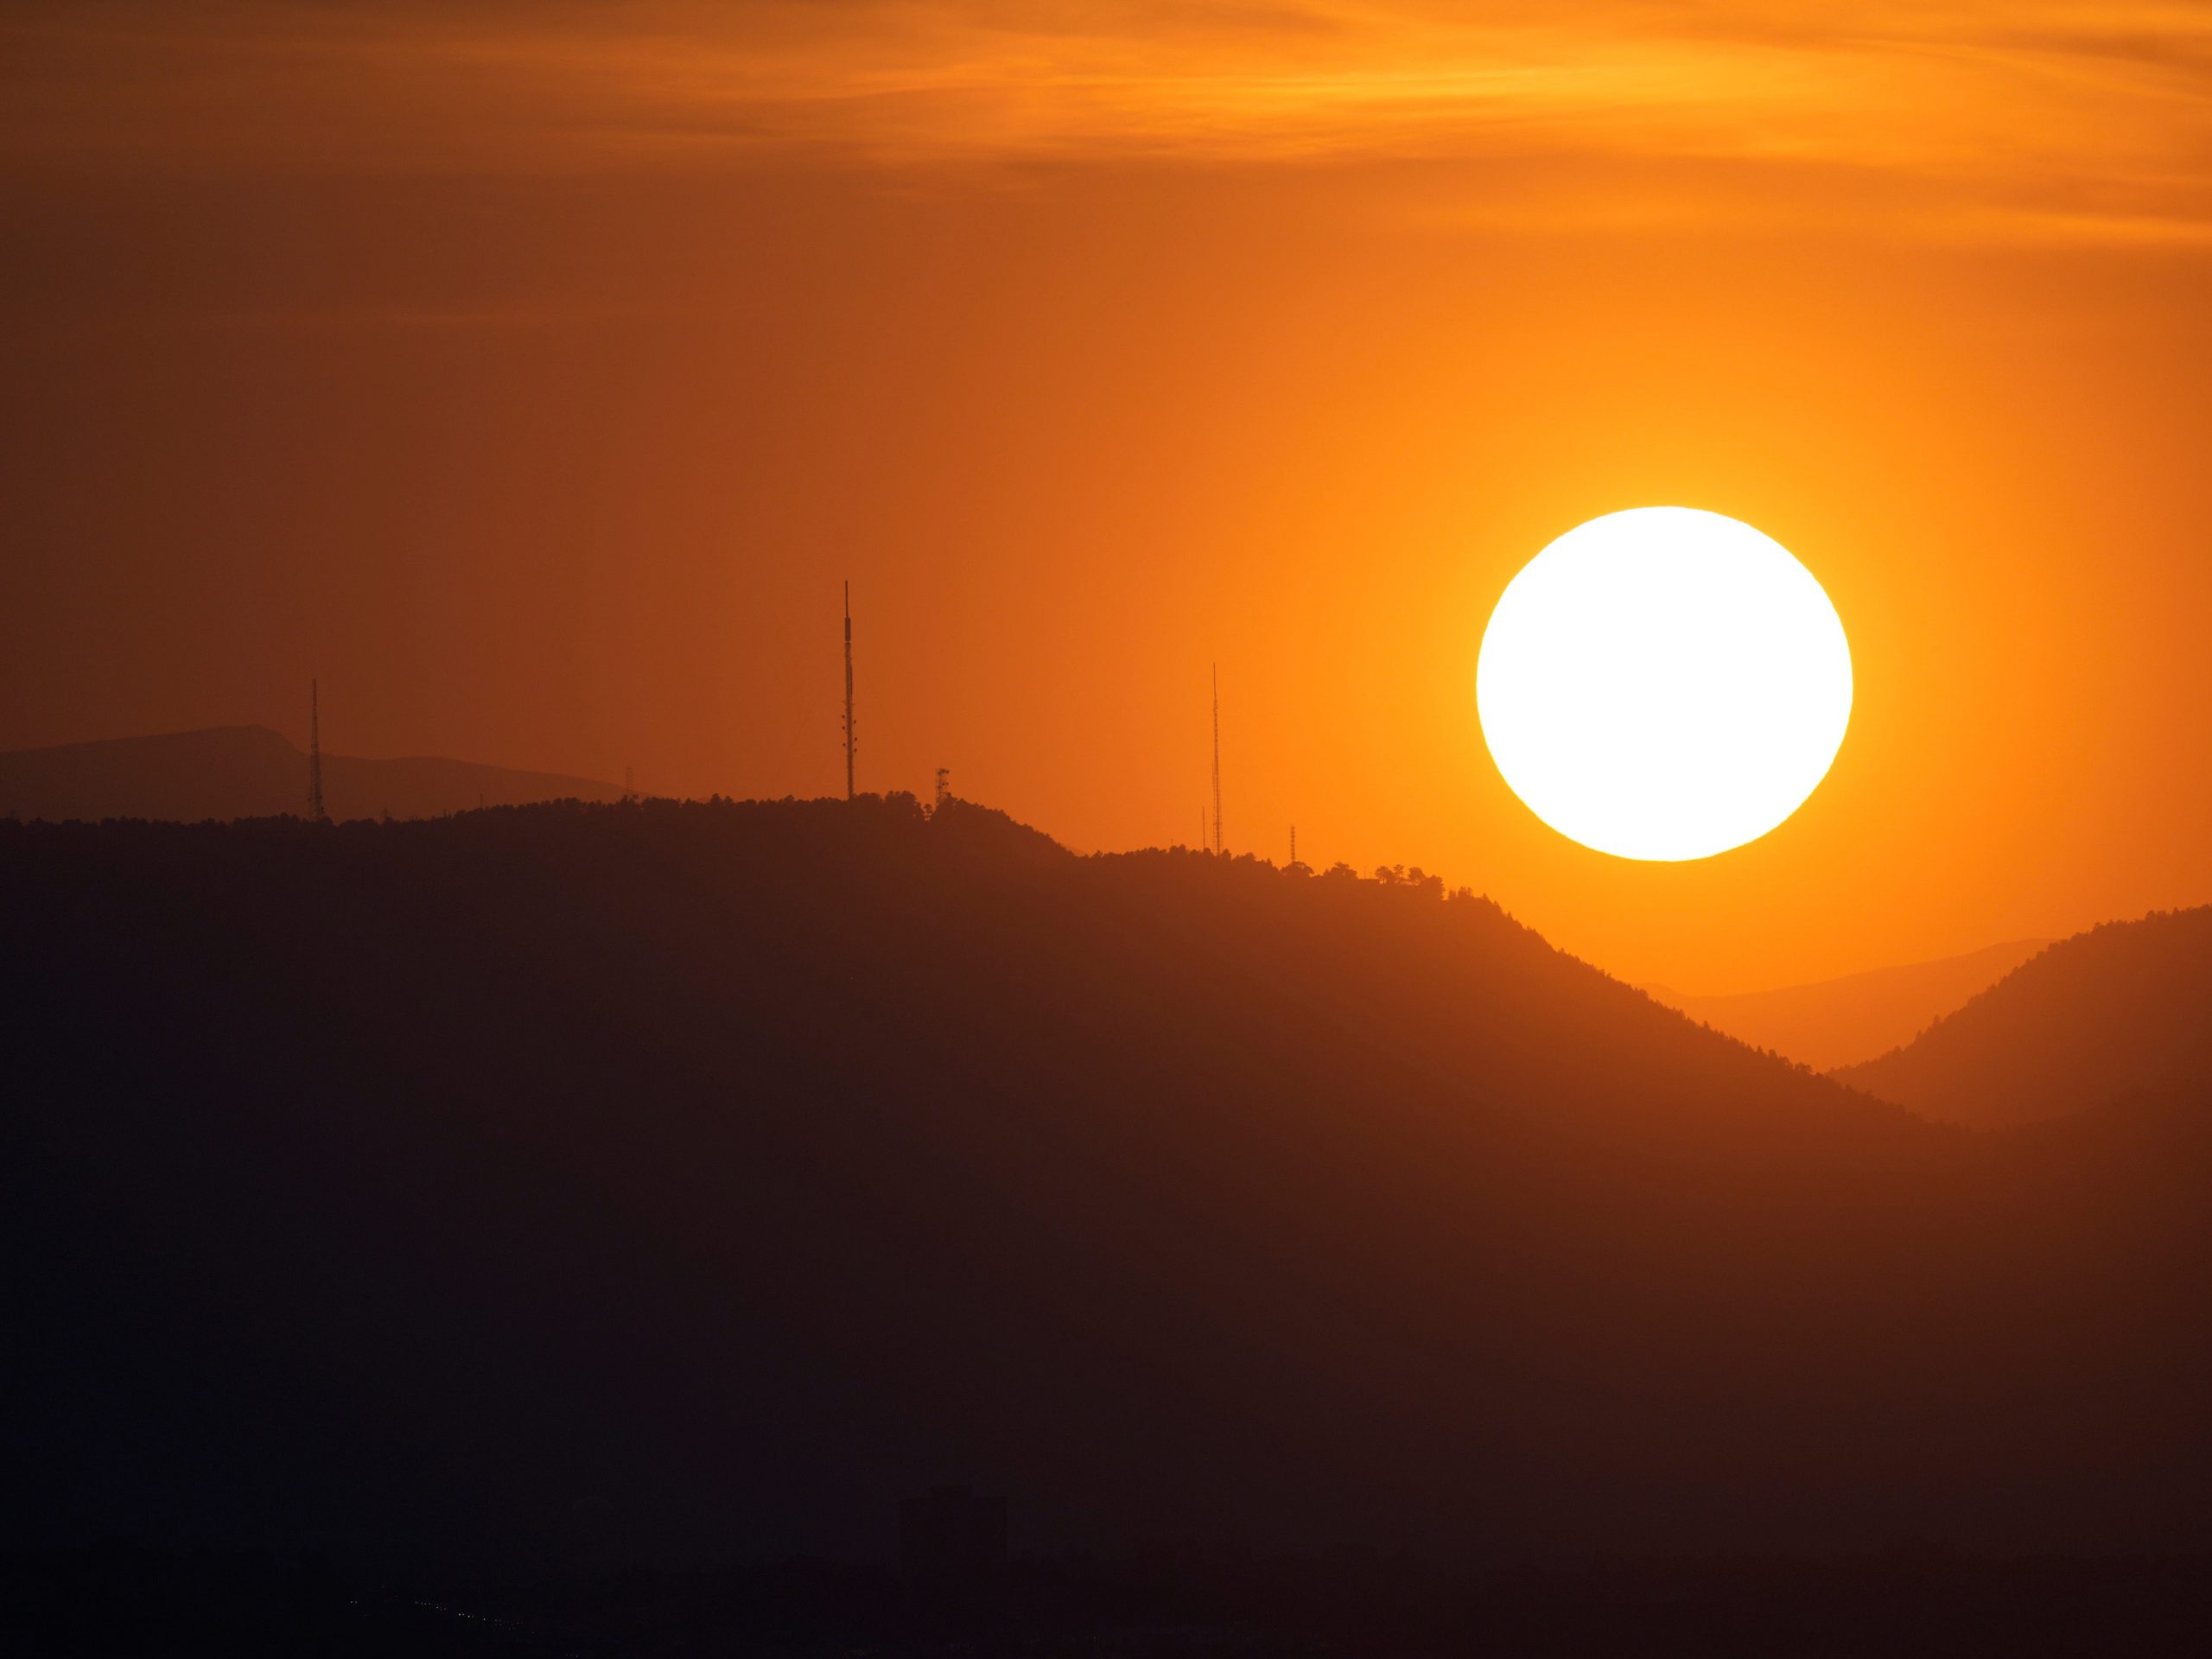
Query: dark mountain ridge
x=664 y=1180
x=250 y=772
x=2124 y=1008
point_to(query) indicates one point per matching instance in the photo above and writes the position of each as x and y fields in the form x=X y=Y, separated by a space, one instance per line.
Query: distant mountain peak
x=251 y=772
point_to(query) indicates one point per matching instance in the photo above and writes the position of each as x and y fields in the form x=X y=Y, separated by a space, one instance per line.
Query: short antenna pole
x=849 y=742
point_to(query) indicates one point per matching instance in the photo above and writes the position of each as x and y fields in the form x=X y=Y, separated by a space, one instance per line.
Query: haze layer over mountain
x=1842 y=1021
x=2122 y=1008
x=664 y=1181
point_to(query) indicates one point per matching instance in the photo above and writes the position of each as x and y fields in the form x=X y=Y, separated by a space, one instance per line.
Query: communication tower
x=316 y=813
x=1218 y=845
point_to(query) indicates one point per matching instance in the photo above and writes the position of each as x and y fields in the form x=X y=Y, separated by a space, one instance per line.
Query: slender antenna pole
x=1294 y=843
x=849 y=691
x=315 y=812
x=1217 y=843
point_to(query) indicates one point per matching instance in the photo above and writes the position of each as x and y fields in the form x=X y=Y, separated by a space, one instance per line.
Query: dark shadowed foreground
x=548 y=1190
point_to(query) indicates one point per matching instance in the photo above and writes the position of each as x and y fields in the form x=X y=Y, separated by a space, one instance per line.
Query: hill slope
x=1843 y=1021
x=250 y=772
x=2124 y=1008
x=668 y=1180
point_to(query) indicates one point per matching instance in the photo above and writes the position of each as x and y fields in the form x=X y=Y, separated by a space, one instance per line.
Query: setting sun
x=1663 y=683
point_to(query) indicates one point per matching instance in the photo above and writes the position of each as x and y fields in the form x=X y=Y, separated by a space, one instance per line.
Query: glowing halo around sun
x=1663 y=683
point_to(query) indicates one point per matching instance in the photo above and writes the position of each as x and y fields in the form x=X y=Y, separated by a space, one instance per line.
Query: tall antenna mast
x=1217 y=758
x=315 y=814
x=1294 y=843
x=849 y=691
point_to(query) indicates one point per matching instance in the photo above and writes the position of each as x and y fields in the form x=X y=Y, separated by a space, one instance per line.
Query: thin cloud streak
x=2057 y=118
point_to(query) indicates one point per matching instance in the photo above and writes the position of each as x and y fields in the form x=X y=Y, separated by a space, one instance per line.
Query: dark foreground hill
x=1837 y=1022
x=2122 y=1009
x=675 y=1182
x=250 y=772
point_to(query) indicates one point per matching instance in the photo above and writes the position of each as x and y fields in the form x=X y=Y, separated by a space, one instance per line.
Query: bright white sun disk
x=1663 y=683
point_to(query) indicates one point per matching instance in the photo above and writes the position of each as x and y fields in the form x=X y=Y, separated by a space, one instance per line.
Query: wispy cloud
x=2077 y=120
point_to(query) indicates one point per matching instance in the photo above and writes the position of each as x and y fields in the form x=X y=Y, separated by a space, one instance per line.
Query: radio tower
x=315 y=814
x=849 y=691
x=1217 y=758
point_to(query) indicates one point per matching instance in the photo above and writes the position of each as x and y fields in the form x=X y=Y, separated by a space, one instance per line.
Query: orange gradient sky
x=533 y=374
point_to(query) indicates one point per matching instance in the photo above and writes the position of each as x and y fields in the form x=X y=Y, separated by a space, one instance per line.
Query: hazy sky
x=533 y=374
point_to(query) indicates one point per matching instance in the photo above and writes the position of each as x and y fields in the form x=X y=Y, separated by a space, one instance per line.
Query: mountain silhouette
x=673 y=1181
x=1837 y=1022
x=250 y=772
x=2125 y=1008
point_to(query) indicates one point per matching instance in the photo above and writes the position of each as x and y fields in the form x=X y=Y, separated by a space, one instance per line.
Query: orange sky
x=533 y=374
